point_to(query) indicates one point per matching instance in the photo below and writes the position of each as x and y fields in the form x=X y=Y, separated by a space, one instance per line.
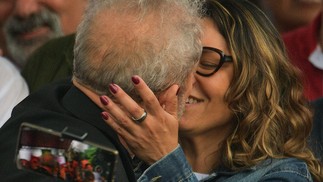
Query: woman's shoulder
x=288 y=169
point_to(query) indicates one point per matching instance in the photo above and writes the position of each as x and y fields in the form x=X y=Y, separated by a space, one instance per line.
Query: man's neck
x=96 y=99
x=88 y=92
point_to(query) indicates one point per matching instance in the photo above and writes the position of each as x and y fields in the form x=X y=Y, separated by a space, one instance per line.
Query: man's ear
x=169 y=101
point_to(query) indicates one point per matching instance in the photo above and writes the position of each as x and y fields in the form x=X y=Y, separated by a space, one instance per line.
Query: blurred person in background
x=58 y=52
x=304 y=46
x=289 y=14
x=5 y=9
x=25 y=26
x=51 y=62
x=31 y=23
x=13 y=88
x=299 y=22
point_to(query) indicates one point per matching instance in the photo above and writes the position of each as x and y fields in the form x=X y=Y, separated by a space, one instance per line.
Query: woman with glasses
x=246 y=118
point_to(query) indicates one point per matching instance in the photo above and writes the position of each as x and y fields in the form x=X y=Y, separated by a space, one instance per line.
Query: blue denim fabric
x=288 y=169
x=174 y=167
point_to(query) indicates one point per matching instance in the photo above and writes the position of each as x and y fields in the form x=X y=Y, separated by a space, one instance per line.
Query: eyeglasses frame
x=224 y=58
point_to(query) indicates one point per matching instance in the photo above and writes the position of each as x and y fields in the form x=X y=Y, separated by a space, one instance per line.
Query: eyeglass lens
x=209 y=61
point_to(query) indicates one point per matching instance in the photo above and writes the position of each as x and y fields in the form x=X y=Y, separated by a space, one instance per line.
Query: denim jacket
x=174 y=167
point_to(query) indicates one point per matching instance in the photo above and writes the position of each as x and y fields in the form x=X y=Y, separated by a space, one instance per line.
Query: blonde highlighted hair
x=265 y=95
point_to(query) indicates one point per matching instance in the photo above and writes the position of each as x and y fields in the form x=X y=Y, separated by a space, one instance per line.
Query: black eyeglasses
x=211 y=61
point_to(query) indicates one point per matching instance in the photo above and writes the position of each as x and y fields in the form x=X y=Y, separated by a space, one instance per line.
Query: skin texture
x=22 y=34
x=5 y=9
x=69 y=11
x=260 y=87
x=165 y=56
x=163 y=135
x=201 y=128
x=209 y=121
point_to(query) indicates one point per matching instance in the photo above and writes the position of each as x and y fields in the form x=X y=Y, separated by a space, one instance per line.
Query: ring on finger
x=141 y=118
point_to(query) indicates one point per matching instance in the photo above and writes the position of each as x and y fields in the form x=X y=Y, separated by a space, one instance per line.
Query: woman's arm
x=155 y=139
x=152 y=138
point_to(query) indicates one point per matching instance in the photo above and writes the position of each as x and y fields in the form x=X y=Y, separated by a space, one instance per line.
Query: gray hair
x=158 y=40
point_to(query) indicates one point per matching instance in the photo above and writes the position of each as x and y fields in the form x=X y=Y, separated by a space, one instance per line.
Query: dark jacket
x=51 y=62
x=316 y=139
x=56 y=107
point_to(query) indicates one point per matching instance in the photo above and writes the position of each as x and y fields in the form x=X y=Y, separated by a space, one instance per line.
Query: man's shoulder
x=42 y=101
x=11 y=82
x=50 y=93
x=40 y=109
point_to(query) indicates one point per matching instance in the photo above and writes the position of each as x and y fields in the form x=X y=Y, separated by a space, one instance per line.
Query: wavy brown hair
x=265 y=95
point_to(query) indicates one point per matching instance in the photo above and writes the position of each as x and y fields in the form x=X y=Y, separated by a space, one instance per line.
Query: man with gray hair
x=157 y=40
x=29 y=24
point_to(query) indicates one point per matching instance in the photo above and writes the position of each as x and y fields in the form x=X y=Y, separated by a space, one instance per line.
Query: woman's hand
x=157 y=134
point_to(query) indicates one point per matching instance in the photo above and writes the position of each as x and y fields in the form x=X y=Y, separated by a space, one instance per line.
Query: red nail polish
x=105 y=115
x=113 y=88
x=104 y=100
x=135 y=80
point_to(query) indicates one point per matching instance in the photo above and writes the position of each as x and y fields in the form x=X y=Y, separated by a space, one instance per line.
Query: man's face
x=5 y=9
x=34 y=22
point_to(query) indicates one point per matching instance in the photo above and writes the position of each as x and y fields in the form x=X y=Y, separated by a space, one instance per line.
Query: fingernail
x=104 y=100
x=135 y=79
x=113 y=88
x=179 y=88
x=105 y=115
